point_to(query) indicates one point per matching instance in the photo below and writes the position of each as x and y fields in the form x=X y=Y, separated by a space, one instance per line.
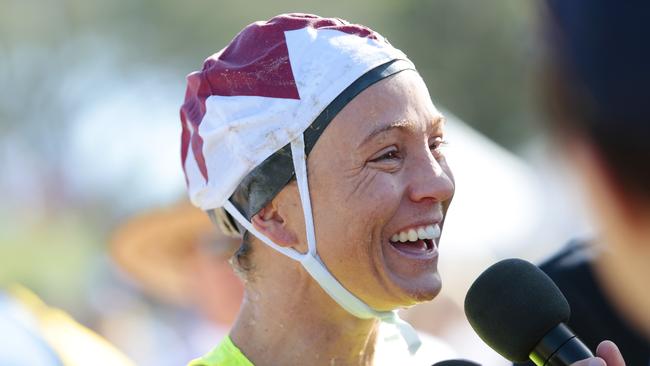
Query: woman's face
x=380 y=187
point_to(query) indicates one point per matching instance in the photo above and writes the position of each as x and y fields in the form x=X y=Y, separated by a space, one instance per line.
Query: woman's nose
x=431 y=179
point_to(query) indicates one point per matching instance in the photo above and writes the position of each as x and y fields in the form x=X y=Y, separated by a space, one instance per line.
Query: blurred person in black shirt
x=597 y=90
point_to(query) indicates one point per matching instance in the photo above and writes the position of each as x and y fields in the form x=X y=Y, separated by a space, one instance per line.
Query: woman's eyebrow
x=400 y=125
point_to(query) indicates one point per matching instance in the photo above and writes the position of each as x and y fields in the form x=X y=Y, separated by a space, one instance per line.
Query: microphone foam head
x=512 y=305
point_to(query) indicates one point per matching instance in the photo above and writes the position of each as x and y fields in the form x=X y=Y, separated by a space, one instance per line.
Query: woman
x=328 y=255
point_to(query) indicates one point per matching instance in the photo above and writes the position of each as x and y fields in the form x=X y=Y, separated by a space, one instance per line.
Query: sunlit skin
x=624 y=228
x=377 y=169
x=214 y=287
x=623 y=221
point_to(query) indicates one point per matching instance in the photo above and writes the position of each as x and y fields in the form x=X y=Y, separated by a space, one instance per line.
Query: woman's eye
x=392 y=154
x=436 y=146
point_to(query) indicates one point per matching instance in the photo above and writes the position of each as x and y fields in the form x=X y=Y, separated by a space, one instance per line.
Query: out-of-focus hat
x=156 y=248
x=604 y=45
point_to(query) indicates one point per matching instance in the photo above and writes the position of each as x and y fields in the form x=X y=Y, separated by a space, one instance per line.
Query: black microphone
x=519 y=311
x=456 y=363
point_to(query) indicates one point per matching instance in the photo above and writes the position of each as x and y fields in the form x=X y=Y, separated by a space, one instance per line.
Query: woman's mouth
x=417 y=241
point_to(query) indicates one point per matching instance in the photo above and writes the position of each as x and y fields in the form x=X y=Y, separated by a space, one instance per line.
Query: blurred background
x=89 y=135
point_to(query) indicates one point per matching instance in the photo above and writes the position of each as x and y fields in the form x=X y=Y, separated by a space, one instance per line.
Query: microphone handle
x=574 y=350
x=560 y=347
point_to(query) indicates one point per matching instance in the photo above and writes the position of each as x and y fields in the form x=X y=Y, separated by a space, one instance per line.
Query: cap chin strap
x=315 y=266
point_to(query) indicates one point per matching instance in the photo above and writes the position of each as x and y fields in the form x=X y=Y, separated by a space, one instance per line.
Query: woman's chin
x=424 y=289
x=411 y=291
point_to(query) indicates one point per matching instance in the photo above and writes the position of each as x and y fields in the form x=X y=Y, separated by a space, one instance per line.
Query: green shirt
x=225 y=354
x=387 y=353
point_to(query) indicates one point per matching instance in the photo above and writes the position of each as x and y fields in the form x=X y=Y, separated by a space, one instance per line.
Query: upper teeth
x=419 y=233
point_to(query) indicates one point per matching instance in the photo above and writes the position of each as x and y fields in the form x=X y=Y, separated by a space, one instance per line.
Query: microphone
x=456 y=363
x=519 y=311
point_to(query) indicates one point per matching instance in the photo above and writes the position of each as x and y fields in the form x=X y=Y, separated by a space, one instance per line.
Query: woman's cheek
x=386 y=193
x=390 y=184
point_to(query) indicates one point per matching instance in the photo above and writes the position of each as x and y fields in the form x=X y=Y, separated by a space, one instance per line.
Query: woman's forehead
x=399 y=102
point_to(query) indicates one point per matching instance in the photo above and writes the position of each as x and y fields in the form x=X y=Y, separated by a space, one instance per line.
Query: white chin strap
x=314 y=265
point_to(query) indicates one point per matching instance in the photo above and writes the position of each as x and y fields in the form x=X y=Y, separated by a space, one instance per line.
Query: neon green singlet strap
x=225 y=354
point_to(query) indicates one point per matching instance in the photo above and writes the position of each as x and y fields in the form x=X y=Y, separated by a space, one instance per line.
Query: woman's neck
x=299 y=324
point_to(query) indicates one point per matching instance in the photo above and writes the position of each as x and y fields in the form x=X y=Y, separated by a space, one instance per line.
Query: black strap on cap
x=259 y=187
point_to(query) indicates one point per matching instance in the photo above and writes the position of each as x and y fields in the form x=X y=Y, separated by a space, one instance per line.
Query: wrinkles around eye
x=387 y=154
x=362 y=181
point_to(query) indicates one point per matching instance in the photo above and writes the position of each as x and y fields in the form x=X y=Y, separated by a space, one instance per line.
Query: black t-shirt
x=593 y=319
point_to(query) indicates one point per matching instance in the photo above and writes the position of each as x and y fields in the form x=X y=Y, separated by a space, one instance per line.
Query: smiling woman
x=333 y=253
x=393 y=183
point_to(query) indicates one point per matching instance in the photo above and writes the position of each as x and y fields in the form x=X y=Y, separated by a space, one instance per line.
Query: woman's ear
x=270 y=223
